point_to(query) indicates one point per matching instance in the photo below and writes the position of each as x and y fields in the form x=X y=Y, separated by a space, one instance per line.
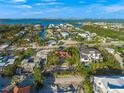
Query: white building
x=65 y=35
x=6 y=60
x=51 y=43
x=28 y=65
x=88 y=55
x=108 y=84
x=87 y=35
x=84 y=35
x=110 y=50
x=3 y=46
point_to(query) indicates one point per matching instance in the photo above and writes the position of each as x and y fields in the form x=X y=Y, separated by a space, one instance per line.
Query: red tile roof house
x=25 y=89
x=4 y=92
x=62 y=54
x=25 y=86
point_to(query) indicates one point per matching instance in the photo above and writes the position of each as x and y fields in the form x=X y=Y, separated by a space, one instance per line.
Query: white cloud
x=89 y=11
x=81 y=2
x=17 y=1
x=53 y=3
x=102 y=1
x=111 y=9
x=38 y=4
x=48 y=0
x=23 y=6
x=50 y=3
x=53 y=10
x=38 y=12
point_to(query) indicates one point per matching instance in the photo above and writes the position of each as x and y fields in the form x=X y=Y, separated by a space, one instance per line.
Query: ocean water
x=44 y=22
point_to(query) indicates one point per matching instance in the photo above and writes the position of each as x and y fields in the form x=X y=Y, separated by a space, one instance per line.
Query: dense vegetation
x=19 y=35
x=52 y=59
x=38 y=78
x=9 y=70
x=29 y=52
x=74 y=59
x=105 y=32
x=109 y=66
x=87 y=86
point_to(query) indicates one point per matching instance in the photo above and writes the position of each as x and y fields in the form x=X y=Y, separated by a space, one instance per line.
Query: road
x=50 y=47
x=120 y=60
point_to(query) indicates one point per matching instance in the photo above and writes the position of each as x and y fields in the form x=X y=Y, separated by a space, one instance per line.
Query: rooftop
x=111 y=83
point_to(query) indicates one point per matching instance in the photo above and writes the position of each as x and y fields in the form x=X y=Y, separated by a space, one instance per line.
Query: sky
x=97 y=9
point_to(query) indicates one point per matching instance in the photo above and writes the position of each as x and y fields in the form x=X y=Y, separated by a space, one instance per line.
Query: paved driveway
x=119 y=59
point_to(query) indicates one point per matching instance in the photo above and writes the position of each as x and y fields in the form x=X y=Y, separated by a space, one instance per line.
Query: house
x=93 y=34
x=25 y=89
x=28 y=64
x=43 y=61
x=51 y=42
x=85 y=60
x=42 y=54
x=110 y=50
x=62 y=54
x=21 y=33
x=89 y=55
x=4 y=91
x=63 y=67
x=86 y=35
x=65 y=35
x=25 y=86
x=51 y=26
x=108 y=84
x=6 y=60
x=3 y=46
x=37 y=27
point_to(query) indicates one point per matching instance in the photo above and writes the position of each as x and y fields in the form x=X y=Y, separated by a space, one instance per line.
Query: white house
x=88 y=55
x=51 y=42
x=65 y=34
x=84 y=35
x=87 y=35
x=6 y=60
x=51 y=26
x=20 y=33
x=110 y=50
x=108 y=84
x=28 y=65
x=93 y=34
x=3 y=46
x=85 y=60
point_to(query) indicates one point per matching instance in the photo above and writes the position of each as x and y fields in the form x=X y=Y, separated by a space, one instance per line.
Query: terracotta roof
x=62 y=54
x=3 y=92
x=25 y=89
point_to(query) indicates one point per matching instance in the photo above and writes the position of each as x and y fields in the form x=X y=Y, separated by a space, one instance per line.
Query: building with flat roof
x=108 y=84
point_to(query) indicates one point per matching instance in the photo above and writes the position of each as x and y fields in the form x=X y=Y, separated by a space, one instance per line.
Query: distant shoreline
x=55 y=21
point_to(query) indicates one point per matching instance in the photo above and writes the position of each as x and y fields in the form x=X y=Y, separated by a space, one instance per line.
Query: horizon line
x=63 y=18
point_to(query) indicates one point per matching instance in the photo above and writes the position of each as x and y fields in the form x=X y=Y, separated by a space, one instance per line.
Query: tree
x=52 y=59
x=74 y=59
x=29 y=52
x=105 y=32
x=38 y=78
x=9 y=70
x=87 y=86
